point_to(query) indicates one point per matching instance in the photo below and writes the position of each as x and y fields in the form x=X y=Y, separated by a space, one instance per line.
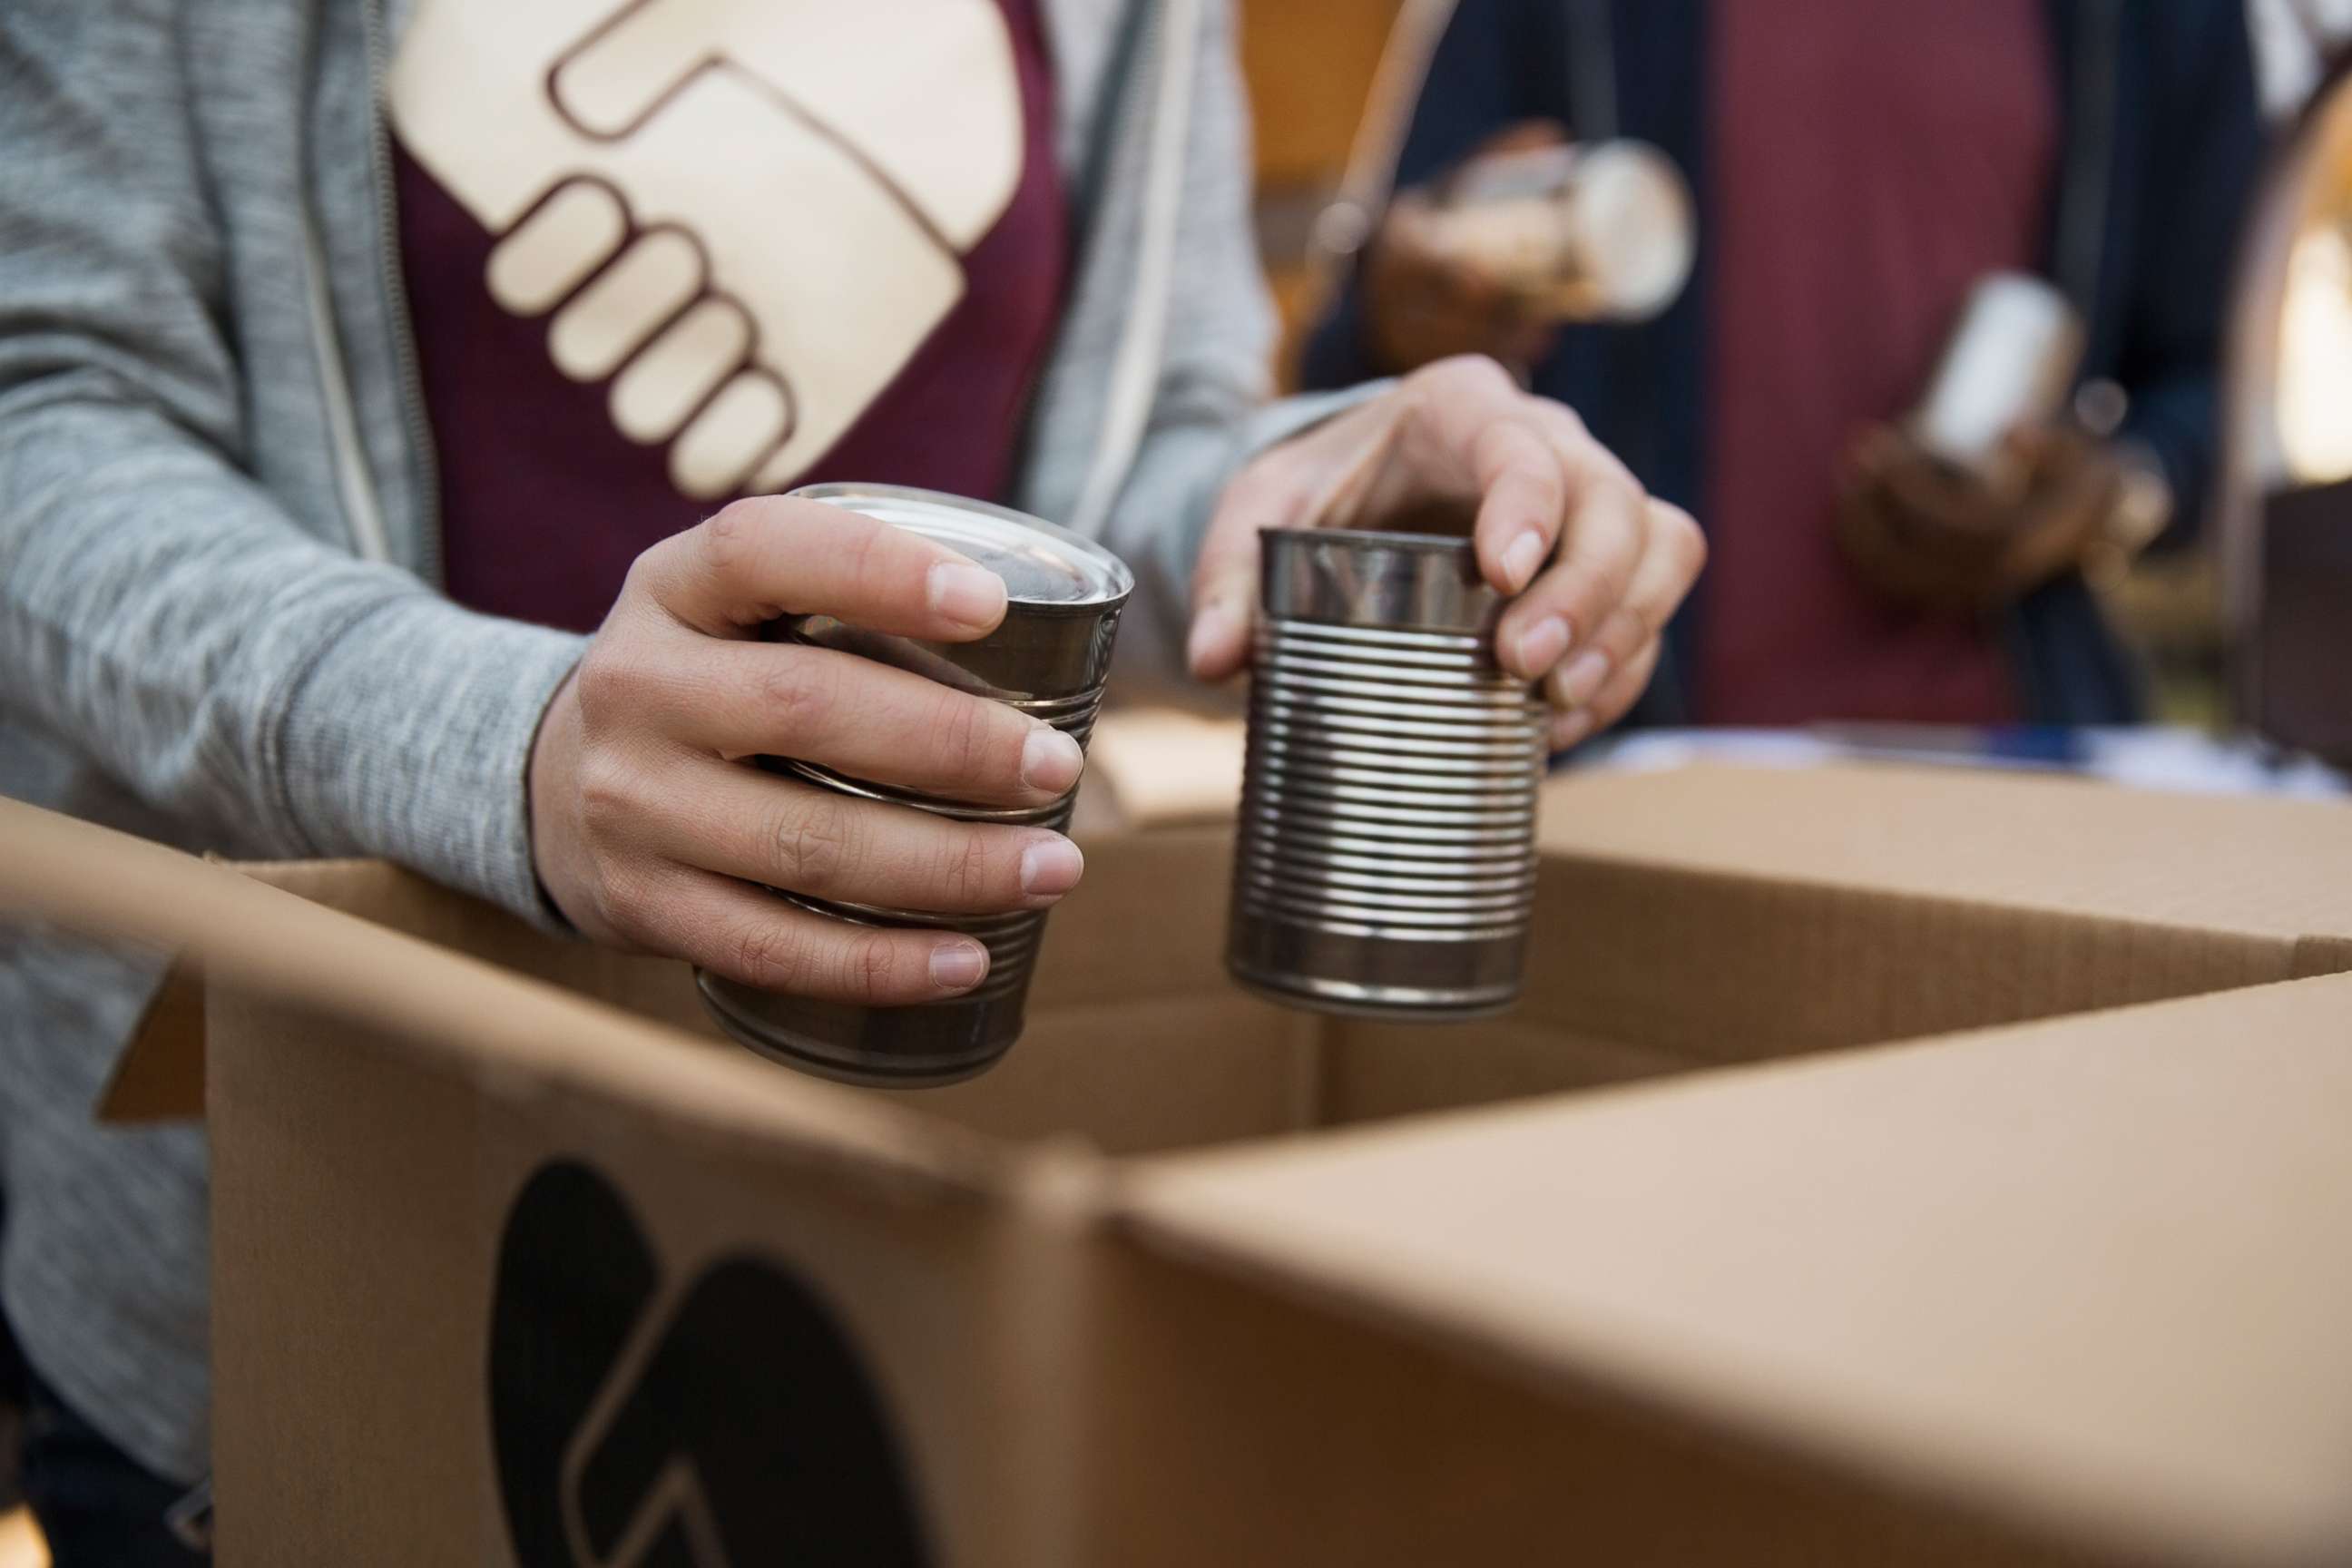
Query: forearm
x=159 y=612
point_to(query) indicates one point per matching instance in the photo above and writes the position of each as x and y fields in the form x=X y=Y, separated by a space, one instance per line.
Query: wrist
x=551 y=797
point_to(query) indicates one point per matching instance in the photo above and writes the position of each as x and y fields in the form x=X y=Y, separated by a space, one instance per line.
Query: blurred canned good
x=2008 y=365
x=1601 y=232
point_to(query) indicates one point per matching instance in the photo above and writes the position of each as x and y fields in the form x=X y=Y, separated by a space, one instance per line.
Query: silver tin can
x=2010 y=362
x=1049 y=660
x=1598 y=232
x=1386 y=858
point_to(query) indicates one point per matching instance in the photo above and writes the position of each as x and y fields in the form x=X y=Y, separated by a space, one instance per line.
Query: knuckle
x=771 y=953
x=814 y=843
x=638 y=582
x=865 y=557
x=1509 y=448
x=608 y=791
x=725 y=537
x=966 y=872
x=1680 y=534
x=1465 y=375
x=868 y=963
x=796 y=694
x=607 y=680
x=1625 y=631
x=962 y=737
x=625 y=902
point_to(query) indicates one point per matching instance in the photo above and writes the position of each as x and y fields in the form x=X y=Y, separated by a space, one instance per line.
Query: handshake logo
x=747 y=214
x=723 y=1424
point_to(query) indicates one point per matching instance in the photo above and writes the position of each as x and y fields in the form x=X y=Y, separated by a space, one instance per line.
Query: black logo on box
x=740 y=1428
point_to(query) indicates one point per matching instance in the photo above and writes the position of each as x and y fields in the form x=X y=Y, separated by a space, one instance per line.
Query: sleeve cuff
x=411 y=739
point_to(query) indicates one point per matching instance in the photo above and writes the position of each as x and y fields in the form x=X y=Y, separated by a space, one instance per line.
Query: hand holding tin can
x=1047 y=660
x=651 y=828
x=1592 y=568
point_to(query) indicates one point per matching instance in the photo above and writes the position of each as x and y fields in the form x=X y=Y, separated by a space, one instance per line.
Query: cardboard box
x=513 y=1263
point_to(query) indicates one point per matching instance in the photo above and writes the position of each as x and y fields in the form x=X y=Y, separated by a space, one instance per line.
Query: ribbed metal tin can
x=1386 y=858
x=1049 y=658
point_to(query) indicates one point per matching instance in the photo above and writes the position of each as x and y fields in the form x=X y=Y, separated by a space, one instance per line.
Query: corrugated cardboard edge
x=1155 y=1210
x=230 y=929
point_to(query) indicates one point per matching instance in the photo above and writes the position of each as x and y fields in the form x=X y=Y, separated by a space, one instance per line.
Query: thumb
x=1225 y=592
x=610 y=80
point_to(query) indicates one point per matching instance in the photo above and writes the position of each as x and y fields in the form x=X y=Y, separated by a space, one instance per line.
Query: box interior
x=1139 y=1043
x=1625 y=1271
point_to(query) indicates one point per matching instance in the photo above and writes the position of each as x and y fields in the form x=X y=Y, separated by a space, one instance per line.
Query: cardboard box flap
x=2090 y=1273
x=2267 y=868
x=160 y=1077
x=232 y=930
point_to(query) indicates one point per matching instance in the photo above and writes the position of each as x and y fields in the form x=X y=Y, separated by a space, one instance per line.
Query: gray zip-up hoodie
x=219 y=623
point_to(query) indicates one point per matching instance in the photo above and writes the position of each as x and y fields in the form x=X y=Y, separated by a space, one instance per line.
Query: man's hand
x=1460 y=435
x=1931 y=534
x=649 y=829
x=1424 y=301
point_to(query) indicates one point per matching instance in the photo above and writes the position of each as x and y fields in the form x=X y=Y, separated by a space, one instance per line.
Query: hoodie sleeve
x=159 y=610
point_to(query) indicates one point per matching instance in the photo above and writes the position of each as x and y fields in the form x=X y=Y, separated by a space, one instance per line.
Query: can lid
x=1040 y=564
x=1366 y=578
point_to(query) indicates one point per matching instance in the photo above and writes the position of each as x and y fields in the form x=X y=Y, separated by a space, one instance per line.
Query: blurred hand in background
x=1425 y=300
x=1927 y=532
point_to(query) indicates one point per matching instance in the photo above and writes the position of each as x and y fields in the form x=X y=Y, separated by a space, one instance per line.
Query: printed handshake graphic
x=749 y=213
x=724 y=1425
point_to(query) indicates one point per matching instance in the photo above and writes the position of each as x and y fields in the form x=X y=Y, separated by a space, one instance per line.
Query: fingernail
x=1212 y=628
x=1569 y=727
x=1051 y=761
x=957 y=965
x=1580 y=677
x=1051 y=867
x=1520 y=561
x=970 y=595
x=1541 y=645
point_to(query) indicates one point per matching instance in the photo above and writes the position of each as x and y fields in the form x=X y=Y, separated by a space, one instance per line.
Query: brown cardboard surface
x=1724 y=966
x=1231 y=1424
x=2091 y=1272
x=361 y=1189
x=1222 y=1067
x=2264 y=868
x=2063 y=1291
x=257 y=939
x=1163 y=767
x=1372 y=1071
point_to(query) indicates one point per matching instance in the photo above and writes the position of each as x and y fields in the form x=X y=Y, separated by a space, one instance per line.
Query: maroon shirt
x=545 y=501
x=1871 y=160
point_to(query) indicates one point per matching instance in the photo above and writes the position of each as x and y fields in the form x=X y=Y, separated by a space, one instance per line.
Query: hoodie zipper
x=355 y=488
x=409 y=384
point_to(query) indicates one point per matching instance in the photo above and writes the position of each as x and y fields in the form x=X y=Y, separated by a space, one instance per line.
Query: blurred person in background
x=1859 y=166
x=380 y=391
